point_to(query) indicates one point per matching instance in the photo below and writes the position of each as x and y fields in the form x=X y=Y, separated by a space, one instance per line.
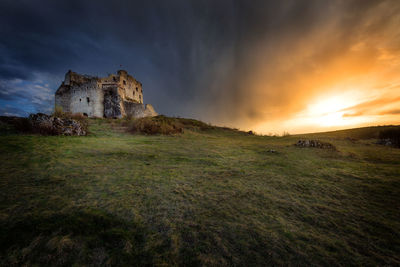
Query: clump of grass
x=23 y=125
x=6 y=128
x=58 y=112
x=192 y=124
x=155 y=125
x=163 y=125
x=10 y=125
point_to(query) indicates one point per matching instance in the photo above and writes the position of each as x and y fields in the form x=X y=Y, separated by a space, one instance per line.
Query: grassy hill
x=209 y=196
x=371 y=132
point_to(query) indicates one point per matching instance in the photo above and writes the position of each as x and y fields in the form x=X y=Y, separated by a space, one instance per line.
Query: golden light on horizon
x=346 y=91
x=340 y=108
x=329 y=111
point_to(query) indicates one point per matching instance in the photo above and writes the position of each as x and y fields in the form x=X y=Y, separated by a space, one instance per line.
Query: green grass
x=205 y=197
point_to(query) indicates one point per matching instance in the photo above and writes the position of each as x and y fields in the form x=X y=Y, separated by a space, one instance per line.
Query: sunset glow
x=328 y=112
x=349 y=109
x=360 y=86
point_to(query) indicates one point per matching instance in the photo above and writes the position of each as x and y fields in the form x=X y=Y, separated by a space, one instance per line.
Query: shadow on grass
x=84 y=237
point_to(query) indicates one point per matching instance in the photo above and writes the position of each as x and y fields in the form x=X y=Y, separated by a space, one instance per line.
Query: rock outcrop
x=314 y=143
x=50 y=125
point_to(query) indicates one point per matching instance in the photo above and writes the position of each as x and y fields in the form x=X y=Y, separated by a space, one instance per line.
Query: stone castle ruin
x=115 y=96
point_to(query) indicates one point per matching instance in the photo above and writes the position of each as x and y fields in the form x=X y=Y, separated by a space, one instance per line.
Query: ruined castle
x=115 y=96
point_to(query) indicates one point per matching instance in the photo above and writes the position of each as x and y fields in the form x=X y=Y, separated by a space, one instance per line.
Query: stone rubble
x=314 y=143
x=45 y=124
x=385 y=142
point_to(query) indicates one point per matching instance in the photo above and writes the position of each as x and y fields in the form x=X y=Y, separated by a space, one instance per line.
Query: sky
x=269 y=66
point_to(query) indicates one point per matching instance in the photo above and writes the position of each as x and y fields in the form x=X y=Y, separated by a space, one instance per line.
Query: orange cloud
x=371 y=107
x=347 y=53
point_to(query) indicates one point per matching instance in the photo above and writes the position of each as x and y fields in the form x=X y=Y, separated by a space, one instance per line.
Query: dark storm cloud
x=194 y=58
x=167 y=45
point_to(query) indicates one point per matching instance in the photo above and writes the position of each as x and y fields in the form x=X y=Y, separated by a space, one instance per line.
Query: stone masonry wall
x=87 y=98
x=63 y=99
x=116 y=95
x=138 y=110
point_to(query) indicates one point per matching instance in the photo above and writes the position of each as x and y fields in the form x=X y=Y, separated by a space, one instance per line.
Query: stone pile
x=50 y=125
x=385 y=142
x=314 y=143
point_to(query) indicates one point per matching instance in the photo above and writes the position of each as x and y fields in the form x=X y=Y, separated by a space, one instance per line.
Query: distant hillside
x=371 y=132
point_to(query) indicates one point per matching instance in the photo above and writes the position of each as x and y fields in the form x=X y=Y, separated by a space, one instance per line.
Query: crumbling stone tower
x=114 y=96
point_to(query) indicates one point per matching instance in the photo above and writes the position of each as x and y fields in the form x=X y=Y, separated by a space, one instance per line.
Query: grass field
x=215 y=197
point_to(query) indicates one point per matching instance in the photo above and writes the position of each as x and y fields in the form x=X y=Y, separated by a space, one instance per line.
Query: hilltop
x=203 y=195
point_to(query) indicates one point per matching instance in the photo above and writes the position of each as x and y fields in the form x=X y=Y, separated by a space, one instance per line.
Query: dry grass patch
x=155 y=125
x=163 y=125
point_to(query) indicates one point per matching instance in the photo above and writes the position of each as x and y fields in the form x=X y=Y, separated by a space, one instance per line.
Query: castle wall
x=114 y=96
x=87 y=98
x=132 y=88
x=63 y=98
x=138 y=110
